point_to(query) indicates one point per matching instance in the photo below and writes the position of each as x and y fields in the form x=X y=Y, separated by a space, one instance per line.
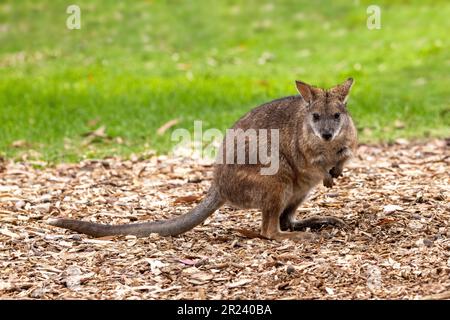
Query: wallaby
x=316 y=138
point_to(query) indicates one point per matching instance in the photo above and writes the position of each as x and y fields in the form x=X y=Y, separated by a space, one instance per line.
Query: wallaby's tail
x=170 y=227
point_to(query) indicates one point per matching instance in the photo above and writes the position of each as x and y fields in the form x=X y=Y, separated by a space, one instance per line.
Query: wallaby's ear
x=306 y=91
x=343 y=90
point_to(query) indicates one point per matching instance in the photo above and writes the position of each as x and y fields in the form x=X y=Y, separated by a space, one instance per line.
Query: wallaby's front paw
x=336 y=172
x=328 y=181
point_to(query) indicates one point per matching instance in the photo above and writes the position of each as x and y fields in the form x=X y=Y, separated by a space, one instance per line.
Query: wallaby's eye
x=316 y=117
x=337 y=115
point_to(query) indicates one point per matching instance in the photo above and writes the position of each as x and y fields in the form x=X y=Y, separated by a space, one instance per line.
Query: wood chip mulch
x=395 y=199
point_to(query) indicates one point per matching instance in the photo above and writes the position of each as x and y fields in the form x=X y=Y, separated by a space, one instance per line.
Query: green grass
x=134 y=66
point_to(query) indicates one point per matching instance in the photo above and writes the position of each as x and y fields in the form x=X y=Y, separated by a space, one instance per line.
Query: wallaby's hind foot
x=270 y=227
x=317 y=223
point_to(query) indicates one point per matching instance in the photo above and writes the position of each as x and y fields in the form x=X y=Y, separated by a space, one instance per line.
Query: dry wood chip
x=239 y=283
x=394 y=199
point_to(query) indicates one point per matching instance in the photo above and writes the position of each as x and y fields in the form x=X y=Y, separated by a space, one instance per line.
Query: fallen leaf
x=8 y=233
x=161 y=130
x=401 y=141
x=199 y=278
x=93 y=122
x=239 y=283
x=391 y=208
x=98 y=133
x=187 y=262
x=155 y=265
x=73 y=278
x=107 y=238
x=97 y=241
x=385 y=221
x=415 y=225
x=399 y=124
x=186 y=199
x=20 y=144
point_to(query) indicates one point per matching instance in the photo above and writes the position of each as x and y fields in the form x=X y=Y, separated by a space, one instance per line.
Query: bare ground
x=395 y=199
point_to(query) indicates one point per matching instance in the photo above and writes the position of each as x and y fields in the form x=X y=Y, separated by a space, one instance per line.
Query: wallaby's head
x=326 y=110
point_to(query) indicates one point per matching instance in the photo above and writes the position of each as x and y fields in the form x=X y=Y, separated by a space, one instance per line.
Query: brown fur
x=305 y=159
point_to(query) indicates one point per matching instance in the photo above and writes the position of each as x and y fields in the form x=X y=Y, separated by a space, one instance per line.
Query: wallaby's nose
x=326 y=135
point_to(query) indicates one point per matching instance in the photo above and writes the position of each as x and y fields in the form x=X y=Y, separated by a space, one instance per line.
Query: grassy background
x=134 y=66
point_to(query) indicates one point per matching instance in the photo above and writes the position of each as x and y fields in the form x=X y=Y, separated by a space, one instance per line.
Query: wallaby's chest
x=327 y=156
